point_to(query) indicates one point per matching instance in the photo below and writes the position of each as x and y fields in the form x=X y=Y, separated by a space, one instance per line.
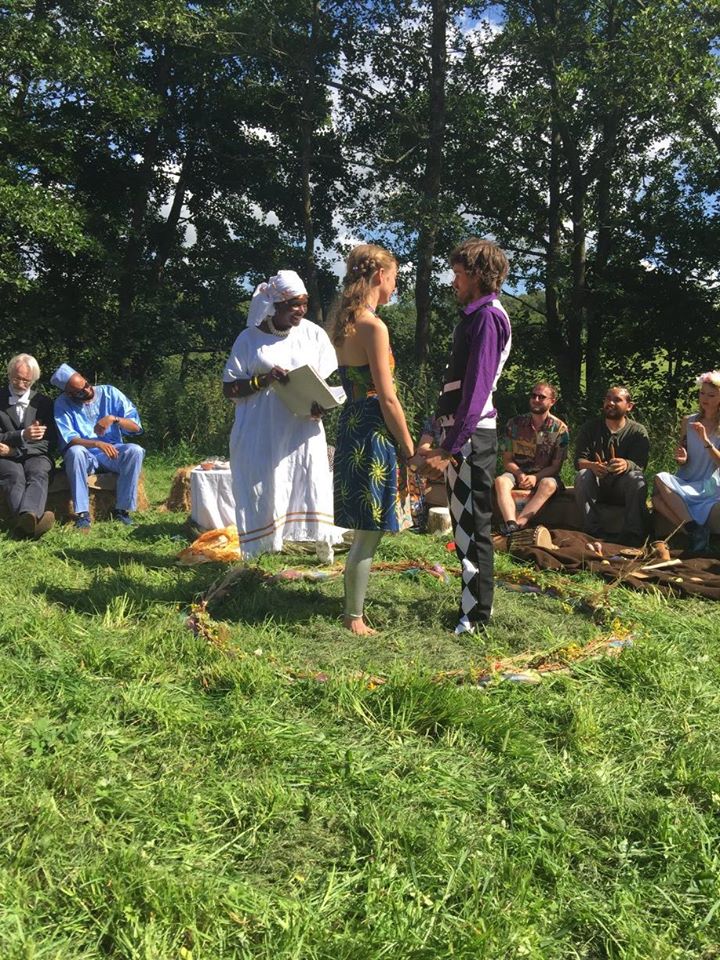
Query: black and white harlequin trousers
x=469 y=483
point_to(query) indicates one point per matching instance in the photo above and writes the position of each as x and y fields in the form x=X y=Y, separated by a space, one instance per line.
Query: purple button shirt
x=489 y=337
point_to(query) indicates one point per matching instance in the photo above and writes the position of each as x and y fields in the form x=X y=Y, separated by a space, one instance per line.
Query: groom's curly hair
x=484 y=260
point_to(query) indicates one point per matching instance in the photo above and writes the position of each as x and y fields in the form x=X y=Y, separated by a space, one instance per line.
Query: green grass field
x=167 y=798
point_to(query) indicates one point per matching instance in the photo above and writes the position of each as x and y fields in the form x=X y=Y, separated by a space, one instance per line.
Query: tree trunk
x=603 y=249
x=138 y=211
x=568 y=368
x=575 y=316
x=315 y=311
x=433 y=178
x=564 y=332
x=167 y=235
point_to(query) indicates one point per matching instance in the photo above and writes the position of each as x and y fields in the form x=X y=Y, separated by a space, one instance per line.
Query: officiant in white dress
x=281 y=478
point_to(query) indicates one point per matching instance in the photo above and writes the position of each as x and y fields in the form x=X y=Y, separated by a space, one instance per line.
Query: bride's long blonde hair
x=362 y=264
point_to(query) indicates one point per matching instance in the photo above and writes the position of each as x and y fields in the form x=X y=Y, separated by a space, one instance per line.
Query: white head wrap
x=284 y=286
x=62 y=375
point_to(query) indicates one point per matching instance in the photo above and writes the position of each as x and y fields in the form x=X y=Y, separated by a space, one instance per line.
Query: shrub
x=182 y=402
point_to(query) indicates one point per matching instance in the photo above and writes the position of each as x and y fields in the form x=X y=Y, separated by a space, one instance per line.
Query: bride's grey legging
x=357 y=570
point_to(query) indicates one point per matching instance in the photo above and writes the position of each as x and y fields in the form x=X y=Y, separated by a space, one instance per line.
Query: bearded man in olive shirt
x=610 y=456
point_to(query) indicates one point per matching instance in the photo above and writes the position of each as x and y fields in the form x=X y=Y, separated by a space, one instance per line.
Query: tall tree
x=401 y=99
x=162 y=157
x=578 y=95
x=432 y=176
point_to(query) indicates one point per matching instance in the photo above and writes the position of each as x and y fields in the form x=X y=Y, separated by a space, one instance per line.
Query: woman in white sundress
x=689 y=496
x=282 y=483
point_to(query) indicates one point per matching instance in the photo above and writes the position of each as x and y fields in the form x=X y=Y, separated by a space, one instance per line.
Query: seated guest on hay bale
x=534 y=448
x=426 y=487
x=27 y=440
x=91 y=423
x=610 y=456
x=687 y=498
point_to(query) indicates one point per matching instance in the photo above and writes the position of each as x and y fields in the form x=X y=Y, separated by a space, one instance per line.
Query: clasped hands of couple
x=430 y=462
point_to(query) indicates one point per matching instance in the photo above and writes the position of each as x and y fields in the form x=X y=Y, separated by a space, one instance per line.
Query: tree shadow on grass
x=250 y=601
x=99 y=596
x=165 y=528
x=283 y=603
x=97 y=558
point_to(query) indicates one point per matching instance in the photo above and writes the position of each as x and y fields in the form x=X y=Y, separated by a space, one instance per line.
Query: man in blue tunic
x=91 y=423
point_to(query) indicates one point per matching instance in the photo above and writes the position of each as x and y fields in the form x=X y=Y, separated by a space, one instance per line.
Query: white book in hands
x=304 y=387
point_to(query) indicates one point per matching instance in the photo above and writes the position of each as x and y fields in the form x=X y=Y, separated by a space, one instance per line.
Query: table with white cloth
x=211 y=496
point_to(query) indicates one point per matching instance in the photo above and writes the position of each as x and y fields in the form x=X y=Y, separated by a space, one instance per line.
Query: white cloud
x=269 y=219
x=186 y=224
x=259 y=133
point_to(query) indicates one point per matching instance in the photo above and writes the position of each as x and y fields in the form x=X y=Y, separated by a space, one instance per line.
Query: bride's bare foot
x=358 y=626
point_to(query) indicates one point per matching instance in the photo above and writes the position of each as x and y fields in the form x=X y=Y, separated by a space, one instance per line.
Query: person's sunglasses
x=79 y=394
x=538 y=396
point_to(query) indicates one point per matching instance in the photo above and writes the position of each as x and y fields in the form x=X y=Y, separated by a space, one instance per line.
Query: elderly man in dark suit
x=27 y=439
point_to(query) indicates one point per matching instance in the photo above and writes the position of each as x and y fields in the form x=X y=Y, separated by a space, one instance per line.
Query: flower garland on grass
x=529 y=667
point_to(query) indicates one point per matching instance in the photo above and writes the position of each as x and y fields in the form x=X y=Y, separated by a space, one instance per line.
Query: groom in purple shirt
x=467 y=418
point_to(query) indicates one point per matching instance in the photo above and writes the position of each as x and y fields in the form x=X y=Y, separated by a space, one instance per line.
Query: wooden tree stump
x=439 y=520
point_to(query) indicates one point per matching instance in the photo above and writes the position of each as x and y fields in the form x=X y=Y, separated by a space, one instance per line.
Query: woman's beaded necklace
x=275 y=331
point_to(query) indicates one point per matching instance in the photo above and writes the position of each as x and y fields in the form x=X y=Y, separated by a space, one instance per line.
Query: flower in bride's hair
x=711 y=376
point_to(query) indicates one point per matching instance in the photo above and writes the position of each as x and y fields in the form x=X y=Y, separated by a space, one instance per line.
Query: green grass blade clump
x=279 y=788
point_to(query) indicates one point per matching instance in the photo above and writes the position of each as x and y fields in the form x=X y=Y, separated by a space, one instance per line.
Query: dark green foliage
x=139 y=171
x=182 y=402
x=159 y=159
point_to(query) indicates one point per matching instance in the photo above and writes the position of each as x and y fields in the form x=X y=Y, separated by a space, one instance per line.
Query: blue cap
x=62 y=375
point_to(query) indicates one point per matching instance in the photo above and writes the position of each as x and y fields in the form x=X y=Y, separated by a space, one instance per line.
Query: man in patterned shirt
x=534 y=448
x=466 y=414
